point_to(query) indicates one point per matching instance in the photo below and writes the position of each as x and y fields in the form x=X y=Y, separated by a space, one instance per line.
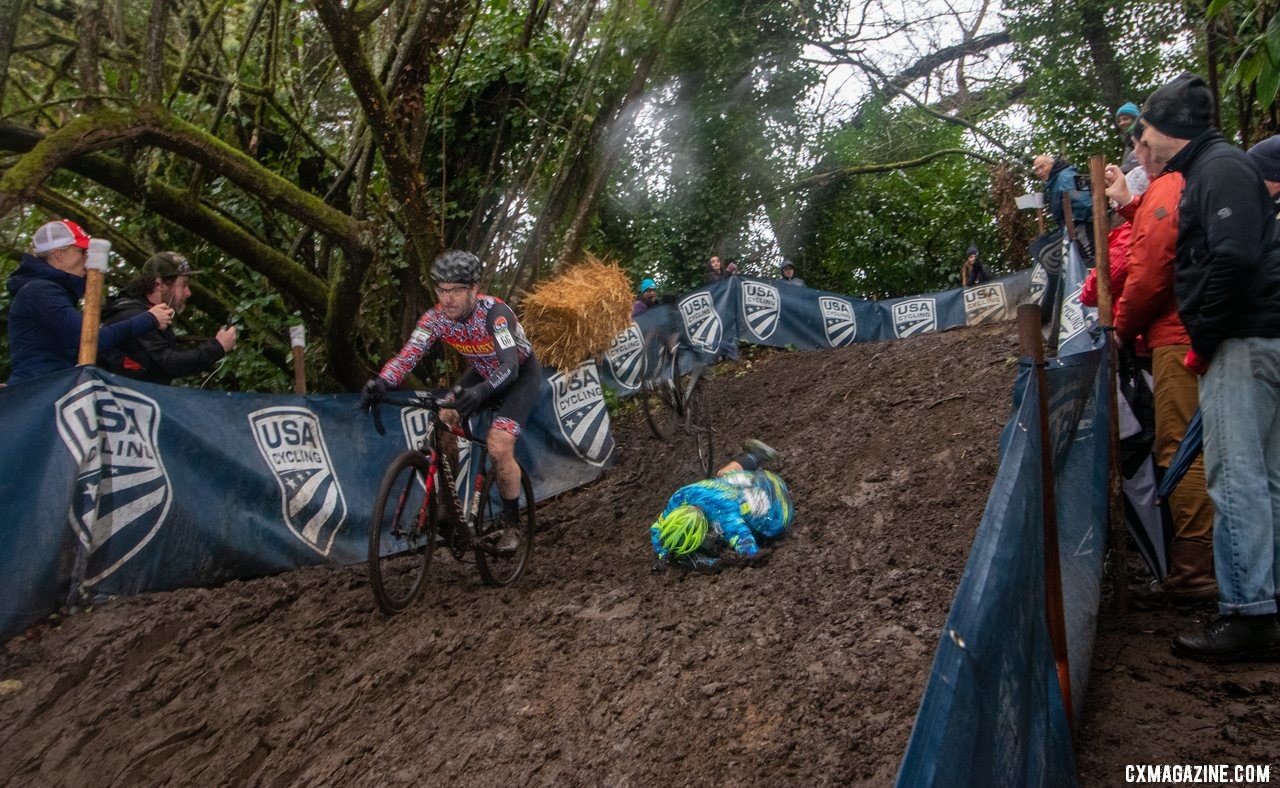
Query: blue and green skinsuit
x=741 y=507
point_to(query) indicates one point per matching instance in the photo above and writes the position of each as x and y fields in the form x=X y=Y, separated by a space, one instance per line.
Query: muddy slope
x=592 y=670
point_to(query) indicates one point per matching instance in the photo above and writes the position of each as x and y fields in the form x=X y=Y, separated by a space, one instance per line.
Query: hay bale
x=577 y=314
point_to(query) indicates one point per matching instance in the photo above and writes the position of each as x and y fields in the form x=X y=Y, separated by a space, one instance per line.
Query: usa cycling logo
x=1039 y=281
x=915 y=316
x=838 y=320
x=761 y=306
x=626 y=357
x=310 y=497
x=581 y=414
x=984 y=302
x=701 y=321
x=122 y=492
x=1074 y=318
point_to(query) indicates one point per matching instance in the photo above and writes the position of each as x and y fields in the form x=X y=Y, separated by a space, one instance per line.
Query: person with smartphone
x=158 y=356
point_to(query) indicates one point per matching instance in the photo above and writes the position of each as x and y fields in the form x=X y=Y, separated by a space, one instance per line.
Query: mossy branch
x=824 y=178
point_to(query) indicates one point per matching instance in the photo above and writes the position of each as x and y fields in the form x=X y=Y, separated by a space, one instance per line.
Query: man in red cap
x=44 y=323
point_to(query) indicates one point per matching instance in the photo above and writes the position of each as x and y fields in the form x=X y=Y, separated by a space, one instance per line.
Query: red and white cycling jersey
x=490 y=338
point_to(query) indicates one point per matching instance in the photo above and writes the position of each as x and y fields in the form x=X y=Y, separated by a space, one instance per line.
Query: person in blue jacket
x=726 y=518
x=44 y=323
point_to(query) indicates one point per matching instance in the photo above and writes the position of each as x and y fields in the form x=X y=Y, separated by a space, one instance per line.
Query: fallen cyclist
x=722 y=521
x=503 y=371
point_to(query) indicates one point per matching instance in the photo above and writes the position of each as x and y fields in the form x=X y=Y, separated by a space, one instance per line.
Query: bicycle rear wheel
x=402 y=534
x=697 y=423
x=660 y=396
x=502 y=570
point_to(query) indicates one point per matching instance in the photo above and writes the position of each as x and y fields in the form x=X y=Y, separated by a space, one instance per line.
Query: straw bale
x=577 y=314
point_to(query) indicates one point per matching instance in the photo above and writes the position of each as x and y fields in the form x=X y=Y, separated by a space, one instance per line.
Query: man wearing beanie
x=1266 y=157
x=1227 y=283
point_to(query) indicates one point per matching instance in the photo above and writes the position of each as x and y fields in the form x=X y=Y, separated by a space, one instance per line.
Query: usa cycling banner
x=768 y=312
x=116 y=487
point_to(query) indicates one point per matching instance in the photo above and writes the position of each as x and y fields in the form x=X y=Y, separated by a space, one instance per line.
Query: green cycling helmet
x=682 y=530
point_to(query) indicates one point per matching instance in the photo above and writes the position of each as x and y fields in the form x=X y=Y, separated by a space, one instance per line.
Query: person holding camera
x=156 y=356
x=44 y=323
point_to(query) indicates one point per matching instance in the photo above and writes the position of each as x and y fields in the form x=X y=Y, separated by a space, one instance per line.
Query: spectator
x=648 y=297
x=1266 y=157
x=1060 y=178
x=1126 y=116
x=724 y=519
x=156 y=356
x=972 y=271
x=713 y=272
x=1146 y=309
x=1227 y=282
x=789 y=274
x=44 y=324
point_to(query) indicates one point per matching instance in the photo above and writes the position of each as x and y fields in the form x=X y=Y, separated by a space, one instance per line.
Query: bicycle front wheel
x=502 y=570
x=660 y=396
x=401 y=534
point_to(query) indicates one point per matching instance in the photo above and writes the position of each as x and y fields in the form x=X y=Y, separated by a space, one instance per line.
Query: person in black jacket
x=156 y=357
x=44 y=323
x=1227 y=283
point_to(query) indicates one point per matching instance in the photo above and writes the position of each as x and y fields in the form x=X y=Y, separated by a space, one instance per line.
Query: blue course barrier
x=992 y=712
x=112 y=486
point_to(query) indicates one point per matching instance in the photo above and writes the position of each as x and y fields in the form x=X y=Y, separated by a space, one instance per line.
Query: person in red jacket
x=1147 y=308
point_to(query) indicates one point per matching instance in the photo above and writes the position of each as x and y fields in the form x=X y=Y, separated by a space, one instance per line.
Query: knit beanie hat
x=1266 y=157
x=1128 y=108
x=1182 y=108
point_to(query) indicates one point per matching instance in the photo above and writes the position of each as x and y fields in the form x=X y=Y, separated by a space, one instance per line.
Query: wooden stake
x=1031 y=343
x=96 y=269
x=298 y=340
x=1115 y=493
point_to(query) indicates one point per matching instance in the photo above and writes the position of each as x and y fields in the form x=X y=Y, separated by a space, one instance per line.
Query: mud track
x=592 y=670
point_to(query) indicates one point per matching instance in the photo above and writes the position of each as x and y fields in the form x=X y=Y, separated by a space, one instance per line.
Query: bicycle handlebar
x=430 y=402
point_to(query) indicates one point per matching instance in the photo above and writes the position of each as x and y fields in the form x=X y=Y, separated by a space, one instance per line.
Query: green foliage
x=722 y=128
x=1071 y=94
x=903 y=231
x=1253 y=38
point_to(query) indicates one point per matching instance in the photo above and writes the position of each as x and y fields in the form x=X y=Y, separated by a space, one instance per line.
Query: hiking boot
x=1233 y=639
x=507 y=541
x=1156 y=594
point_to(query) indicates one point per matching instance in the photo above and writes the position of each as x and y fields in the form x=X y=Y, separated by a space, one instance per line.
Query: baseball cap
x=59 y=234
x=166 y=265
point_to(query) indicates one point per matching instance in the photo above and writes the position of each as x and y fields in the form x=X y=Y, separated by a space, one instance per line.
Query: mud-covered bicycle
x=672 y=400
x=418 y=509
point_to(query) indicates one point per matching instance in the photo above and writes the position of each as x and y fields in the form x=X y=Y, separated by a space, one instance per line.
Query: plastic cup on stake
x=95 y=264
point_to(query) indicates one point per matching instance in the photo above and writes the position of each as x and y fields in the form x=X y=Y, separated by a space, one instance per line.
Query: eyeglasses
x=452 y=291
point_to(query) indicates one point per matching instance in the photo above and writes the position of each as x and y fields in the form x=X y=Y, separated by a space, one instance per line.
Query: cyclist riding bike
x=725 y=519
x=503 y=370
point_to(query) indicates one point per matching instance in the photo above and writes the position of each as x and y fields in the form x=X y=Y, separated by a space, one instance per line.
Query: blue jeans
x=1240 y=399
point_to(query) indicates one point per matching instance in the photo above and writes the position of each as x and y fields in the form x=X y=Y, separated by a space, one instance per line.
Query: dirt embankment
x=592 y=671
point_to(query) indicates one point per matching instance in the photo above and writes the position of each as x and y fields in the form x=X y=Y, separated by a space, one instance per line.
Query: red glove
x=1194 y=363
